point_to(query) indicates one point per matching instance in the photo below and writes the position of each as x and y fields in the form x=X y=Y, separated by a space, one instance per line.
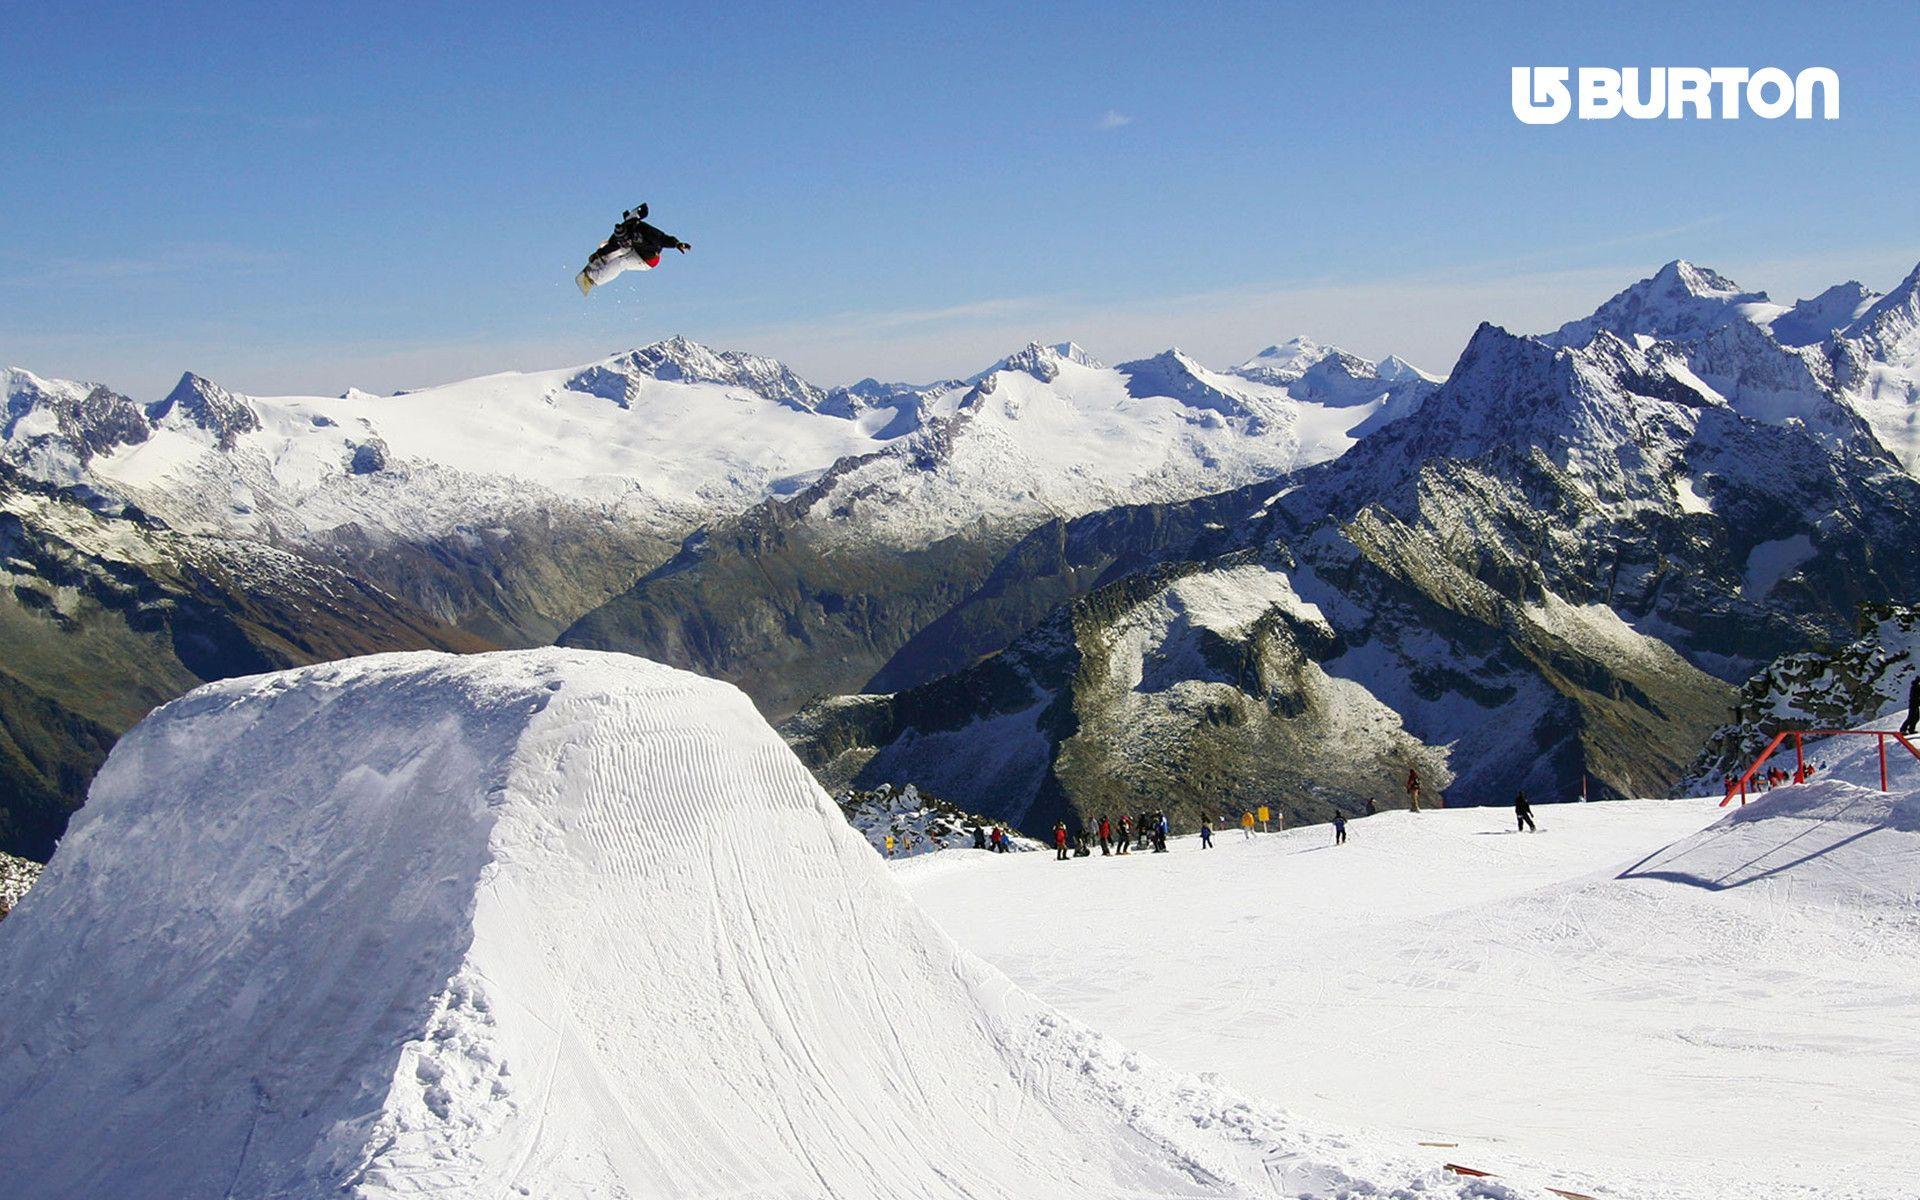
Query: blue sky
x=311 y=197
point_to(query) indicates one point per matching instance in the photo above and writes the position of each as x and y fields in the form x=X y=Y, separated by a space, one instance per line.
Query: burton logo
x=1548 y=95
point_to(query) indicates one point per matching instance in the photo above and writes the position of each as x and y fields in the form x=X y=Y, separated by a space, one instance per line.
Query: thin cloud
x=1112 y=119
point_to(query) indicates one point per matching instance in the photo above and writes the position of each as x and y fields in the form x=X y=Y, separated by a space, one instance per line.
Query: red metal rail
x=1799 y=737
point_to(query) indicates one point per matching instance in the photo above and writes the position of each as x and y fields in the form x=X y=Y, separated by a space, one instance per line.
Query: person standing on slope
x=979 y=838
x=1339 y=829
x=1106 y=837
x=1060 y=840
x=1160 y=834
x=1413 y=788
x=1913 y=707
x=1206 y=832
x=1372 y=808
x=1126 y=836
x=889 y=845
x=1246 y=825
x=1523 y=814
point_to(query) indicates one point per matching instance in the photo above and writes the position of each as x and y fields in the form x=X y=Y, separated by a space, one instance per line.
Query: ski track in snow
x=1646 y=998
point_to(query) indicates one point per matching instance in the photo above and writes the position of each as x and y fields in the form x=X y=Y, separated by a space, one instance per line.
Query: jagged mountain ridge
x=1554 y=566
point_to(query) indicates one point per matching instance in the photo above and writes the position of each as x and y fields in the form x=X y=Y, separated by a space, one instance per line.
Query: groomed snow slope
x=548 y=924
x=1644 y=999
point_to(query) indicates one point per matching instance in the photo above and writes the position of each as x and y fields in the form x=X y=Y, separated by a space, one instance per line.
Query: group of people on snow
x=1773 y=778
x=994 y=839
x=1149 y=830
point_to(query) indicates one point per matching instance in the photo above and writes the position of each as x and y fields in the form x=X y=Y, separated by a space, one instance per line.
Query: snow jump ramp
x=547 y=924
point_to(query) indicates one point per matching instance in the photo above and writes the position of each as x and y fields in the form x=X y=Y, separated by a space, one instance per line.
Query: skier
x=1060 y=840
x=1413 y=788
x=1126 y=835
x=1913 y=707
x=1372 y=808
x=889 y=845
x=1206 y=832
x=1160 y=834
x=979 y=838
x=634 y=246
x=1523 y=814
x=1106 y=837
x=1339 y=829
x=1246 y=826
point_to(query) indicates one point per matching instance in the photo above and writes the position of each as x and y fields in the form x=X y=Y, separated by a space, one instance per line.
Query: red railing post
x=1799 y=737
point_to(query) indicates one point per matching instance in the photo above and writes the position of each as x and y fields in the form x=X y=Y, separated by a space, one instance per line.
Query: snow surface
x=1644 y=999
x=549 y=924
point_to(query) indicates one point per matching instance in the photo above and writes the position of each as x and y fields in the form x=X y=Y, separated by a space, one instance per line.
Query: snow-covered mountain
x=816 y=592
x=1877 y=367
x=1679 y=301
x=1857 y=349
x=510 y=505
x=1548 y=572
x=513 y=503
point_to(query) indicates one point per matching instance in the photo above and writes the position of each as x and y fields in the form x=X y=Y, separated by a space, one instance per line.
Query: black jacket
x=647 y=240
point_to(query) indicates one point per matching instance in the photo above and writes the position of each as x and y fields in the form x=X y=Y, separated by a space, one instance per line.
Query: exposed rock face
x=52 y=420
x=17 y=875
x=679 y=360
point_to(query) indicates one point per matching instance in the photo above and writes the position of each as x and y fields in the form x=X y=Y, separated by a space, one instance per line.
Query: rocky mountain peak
x=680 y=359
x=205 y=405
x=66 y=418
x=1680 y=300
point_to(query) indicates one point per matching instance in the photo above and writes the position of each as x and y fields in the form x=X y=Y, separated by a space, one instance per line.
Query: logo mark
x=1546 y=95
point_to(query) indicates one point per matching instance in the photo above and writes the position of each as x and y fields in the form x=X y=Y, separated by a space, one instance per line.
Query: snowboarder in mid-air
x=634 y=246
x=1523 y=814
